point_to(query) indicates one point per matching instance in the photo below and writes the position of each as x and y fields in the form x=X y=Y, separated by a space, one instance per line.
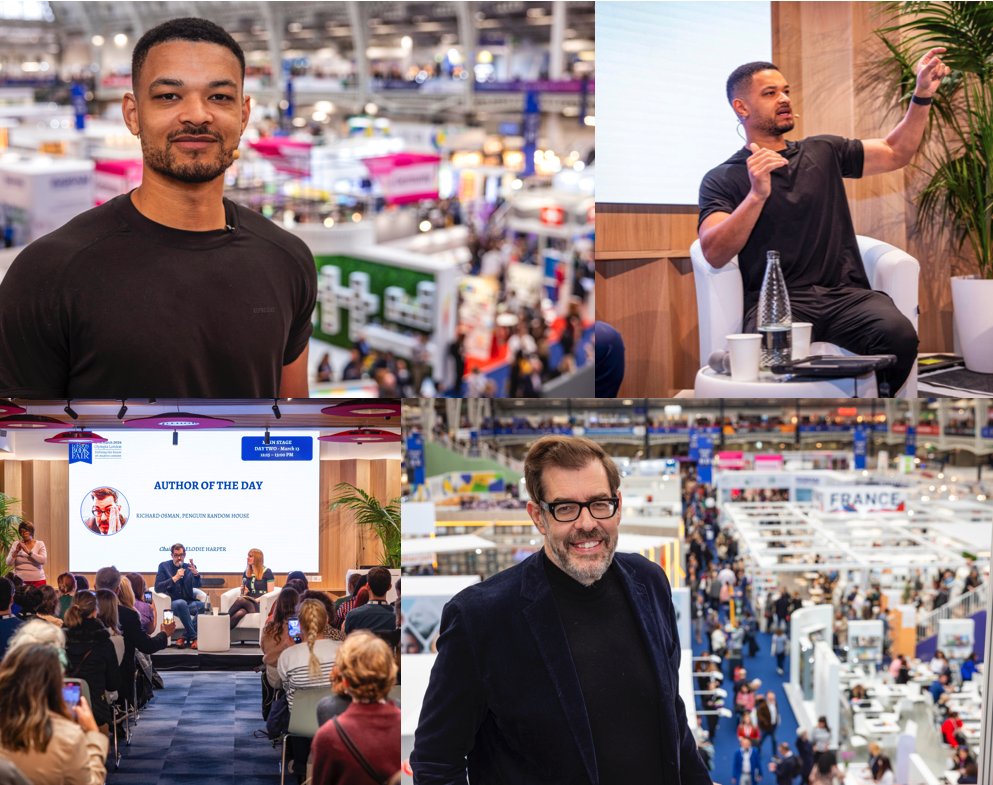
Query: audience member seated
x=134 y=636
x=67 y=590
x=971 y=774
x=254 y=583
x=91 y=655
x=949 y=729
x=826 y=771
x=48 y=607
x=275 y=637
x=48 y=742
x=28 y=601
x=332 y=632
x=146 y=610
x=37 y=631
x=968 y=668
x=885 y=775
x=365 y=671
x=376 y=615
x=347 y=603
x=8 y=621
x=939 y=687
x=297 y=575
x=307 y=664
x=178 y=579
x=82 y=584
x=108 y=612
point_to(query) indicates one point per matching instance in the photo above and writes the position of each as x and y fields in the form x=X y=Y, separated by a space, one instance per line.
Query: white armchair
x=720 y=301
x=163 y=602
x=250 y=626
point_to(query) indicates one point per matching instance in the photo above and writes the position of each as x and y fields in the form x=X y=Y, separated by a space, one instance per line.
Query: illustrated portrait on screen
x=104 y=511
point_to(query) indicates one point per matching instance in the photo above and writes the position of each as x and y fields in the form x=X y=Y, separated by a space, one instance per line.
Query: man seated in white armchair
x=779 y=195
x=179 y=580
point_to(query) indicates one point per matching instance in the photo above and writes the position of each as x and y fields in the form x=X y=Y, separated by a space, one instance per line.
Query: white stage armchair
x=250 y=626
x=163 y=602
x=720 y=312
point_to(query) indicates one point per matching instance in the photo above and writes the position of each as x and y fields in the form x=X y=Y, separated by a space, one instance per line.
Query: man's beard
x=163 y=160
x=584 y=569
x=777 y=127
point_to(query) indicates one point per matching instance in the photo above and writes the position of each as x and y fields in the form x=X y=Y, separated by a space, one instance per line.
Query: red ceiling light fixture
x=361 y=436
x=9 y=407
x=179 y=421
x=30 y=422
x=76 y=436
x=371 y=409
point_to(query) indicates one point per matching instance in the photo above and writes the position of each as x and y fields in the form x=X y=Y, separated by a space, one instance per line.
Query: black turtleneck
x=615 y=673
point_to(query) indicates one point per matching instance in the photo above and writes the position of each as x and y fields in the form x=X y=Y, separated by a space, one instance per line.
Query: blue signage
x=860 y=447
x=532 y=119
x=415 y=457
x=705 y=459
x=279 y=448
x=694 y=445
x=80 y=453
x=911 y=441
x=77 y=93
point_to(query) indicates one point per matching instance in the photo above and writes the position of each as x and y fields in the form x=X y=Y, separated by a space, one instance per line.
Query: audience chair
x=303 y=719
x=720 y=293
x=250 y=626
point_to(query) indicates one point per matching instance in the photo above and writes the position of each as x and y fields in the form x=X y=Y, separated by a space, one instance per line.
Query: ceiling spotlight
x=175 y=438
x=70 y=411
x=275 y=408
x=122 y=411
x=267 y=435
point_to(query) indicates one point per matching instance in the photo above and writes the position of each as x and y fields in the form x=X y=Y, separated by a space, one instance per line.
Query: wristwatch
x=916 y=99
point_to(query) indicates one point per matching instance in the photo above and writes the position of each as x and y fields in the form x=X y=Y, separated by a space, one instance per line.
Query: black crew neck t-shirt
x=805 y=218
x=616 y=676
x=114 y=305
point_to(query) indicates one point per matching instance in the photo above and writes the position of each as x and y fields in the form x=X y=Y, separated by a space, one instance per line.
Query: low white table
x=710 y=384
x=213 y=633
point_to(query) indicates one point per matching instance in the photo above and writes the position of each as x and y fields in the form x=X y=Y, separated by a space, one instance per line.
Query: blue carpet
x=199 y=730
x=761 y=666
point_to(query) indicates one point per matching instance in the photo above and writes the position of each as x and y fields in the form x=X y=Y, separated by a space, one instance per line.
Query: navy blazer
x=504 y=702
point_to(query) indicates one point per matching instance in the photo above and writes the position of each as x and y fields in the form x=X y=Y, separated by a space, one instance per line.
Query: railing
x=962 y=607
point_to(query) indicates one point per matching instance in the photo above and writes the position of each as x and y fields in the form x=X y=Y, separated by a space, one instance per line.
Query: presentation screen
x=663 y=120
x=219 y=493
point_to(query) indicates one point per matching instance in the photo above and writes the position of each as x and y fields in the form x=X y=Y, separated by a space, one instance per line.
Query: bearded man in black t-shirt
x=170 y=290
x=789 y=197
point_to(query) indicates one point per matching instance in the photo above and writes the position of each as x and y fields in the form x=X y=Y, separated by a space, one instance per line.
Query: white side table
x=213 y=633
x=710 y=384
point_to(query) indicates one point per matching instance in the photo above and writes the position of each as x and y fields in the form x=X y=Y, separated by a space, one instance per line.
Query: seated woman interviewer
x=49 y=743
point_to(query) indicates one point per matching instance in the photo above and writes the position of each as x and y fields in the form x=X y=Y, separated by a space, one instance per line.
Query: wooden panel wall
x=43 y=488
x=824 y=50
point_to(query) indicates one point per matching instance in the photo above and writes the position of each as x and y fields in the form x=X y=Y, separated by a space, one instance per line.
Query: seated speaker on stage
x=179 y=580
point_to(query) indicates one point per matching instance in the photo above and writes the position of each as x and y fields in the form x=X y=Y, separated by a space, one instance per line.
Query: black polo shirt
x=805 y=218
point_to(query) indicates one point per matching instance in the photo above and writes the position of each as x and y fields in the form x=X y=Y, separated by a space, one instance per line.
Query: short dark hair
x=178 y=546
x=183 y=29
x=566 y=452
x=296 y=575
x=25 y=526
x=742 y=76
x=82 y=584
x=103 y=493
x=108 y=578
x=380 y=581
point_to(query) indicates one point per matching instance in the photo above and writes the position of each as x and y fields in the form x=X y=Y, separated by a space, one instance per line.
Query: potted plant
x=370 y=512
x=8 y=530
x=957 y=199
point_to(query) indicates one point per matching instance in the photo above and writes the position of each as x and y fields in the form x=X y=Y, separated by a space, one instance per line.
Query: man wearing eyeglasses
x=562 y=669
x=107 y=515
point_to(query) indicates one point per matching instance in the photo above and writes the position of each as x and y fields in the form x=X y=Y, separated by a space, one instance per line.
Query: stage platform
x=240 y=657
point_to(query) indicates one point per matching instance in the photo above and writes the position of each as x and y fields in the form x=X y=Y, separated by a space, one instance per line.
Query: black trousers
x=862 y=321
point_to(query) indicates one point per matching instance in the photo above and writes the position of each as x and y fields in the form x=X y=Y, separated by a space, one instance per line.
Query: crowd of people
x=101 y=638
x=727 y=616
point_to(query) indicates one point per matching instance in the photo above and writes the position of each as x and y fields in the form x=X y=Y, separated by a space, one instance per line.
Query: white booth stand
x=39 y=194
x=957 y=639
x=814 y=686
x=865 y=643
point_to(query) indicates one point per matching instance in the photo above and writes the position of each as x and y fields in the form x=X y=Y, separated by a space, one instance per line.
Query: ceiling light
x=70 y=411
x=361 y=436
x=120 y=40
x=76 y=436
x=179 y=421
x=275 y=409
x=122 y=411
x=266 y=441
x=30 y=421
x=369 y=410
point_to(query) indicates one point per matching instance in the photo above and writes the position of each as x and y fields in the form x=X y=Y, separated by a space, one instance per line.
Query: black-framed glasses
x=568 y=511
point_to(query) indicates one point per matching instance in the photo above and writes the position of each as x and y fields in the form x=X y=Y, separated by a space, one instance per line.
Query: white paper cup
x=800 y=340
x=745 y=350
x=215 y=610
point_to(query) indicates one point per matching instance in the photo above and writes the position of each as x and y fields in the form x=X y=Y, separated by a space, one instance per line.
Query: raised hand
x=760 y=165
x=930 y=72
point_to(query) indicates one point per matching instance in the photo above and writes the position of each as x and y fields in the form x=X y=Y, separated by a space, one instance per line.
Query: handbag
x=366 y=766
